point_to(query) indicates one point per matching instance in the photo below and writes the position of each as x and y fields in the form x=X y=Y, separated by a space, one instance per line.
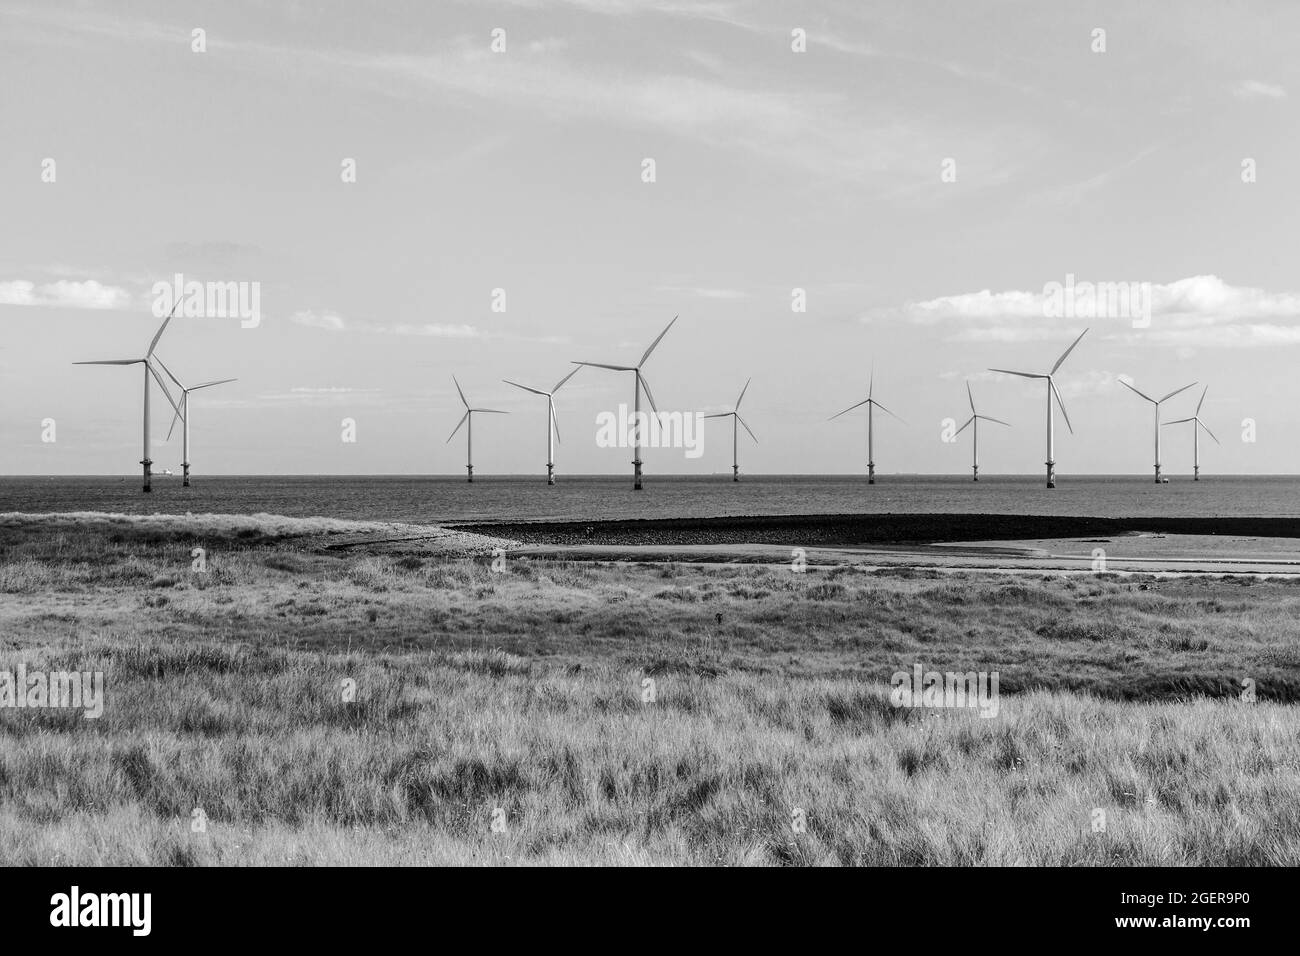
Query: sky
x=922 y=171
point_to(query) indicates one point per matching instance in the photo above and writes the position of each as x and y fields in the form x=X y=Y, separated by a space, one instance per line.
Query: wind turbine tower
x=872 y=405
x=1157 y=402
x=639 y=384
x=183 y=413
x=1051 y=393
x=468 y=419
x=1196 y=435
x=146 y=461
x=734 y=415
x=552 y=423
x=974 y=422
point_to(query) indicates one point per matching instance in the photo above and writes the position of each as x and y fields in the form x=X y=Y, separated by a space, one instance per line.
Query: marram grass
x=292 y=705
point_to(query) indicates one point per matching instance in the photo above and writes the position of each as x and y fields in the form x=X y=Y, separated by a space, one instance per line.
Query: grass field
x=518 y=696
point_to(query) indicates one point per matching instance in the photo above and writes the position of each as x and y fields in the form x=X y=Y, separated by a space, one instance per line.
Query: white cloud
x=65 y=293
x=17 y=292
x=984 y=304
x=1199 y=311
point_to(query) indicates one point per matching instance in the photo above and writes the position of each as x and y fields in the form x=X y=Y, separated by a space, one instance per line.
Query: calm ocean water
x=425 y=499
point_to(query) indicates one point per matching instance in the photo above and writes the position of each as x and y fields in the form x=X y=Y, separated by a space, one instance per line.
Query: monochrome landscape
x=918 y=478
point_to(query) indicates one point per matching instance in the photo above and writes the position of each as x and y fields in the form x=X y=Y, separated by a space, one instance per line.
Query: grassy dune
x=521 y=692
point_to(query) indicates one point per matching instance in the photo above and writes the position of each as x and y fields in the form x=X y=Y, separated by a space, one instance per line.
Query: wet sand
x=944 y=543
x=863 y=530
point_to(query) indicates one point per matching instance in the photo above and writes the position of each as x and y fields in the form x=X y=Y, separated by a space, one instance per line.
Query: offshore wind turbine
x=975 y=419
x=872 y=405
x=1196 y=435
x=552 y=423
x=639 y=384
x=183 y=414
x=146 y=462
x=734 y=415
x=469 y=432
x=1156 y=402
x=1051 y=391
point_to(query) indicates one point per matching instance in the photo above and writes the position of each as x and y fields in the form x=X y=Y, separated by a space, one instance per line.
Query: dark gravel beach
x=864 y=529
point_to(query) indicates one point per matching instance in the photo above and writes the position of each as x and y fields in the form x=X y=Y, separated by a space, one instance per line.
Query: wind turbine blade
x=1207 y=430
x=871 y=382
x=161 y=329
x=742 y=394
x=748 y=429
x=989 y=418
x=1132 y=389
x=220 y=381
x=963 y=427
x=462 y=393
x=161 y=384
x=555 y=421
x=1178 y=421
x=655 y=342
x=112 y=362
x=721 y=415
x=971 y=397
x=616 y=368
x=649 y=394
x=561 y=382
x=535 y=391
x=849 y=409
x=1007 y=371
x=457 y=428
x=1061 y=405
x=1066 y=353
x=1202 y=401
x=886 y=411
x=169 y=374
x=1176 y=391
x=490 y=411
x=175 y=418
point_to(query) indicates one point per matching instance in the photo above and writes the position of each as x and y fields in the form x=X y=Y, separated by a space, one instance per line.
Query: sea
x=442 y=499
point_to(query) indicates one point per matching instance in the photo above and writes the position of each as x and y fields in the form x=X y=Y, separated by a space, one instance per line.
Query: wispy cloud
x=1085 y=382
x=435 y=330
x=689 y=9
x=830 y=131
x=725 y=295
x=328 y=396
x=319 y=320
x=329 y=390
x=1075 y=192
x=333 y=322
x=1256 y=90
